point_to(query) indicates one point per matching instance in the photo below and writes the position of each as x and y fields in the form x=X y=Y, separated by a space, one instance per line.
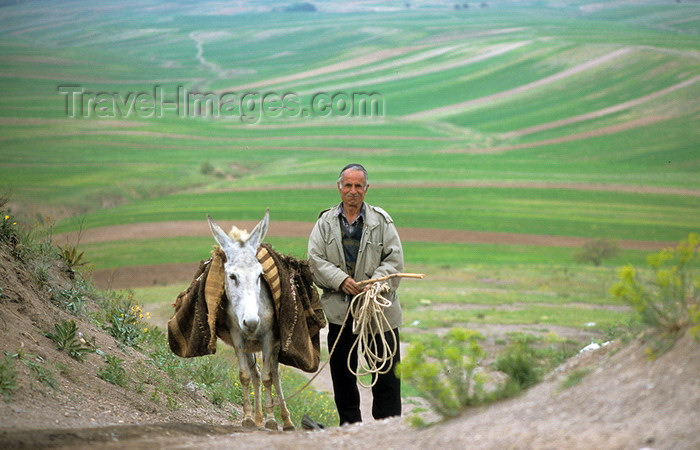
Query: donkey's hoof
x=271 y=424
x=289 y=427
x=248 y=423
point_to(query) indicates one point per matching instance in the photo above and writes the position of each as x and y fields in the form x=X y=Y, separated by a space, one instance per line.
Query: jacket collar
x=371 y=216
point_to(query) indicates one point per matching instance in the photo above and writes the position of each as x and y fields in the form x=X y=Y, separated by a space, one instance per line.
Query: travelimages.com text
x=248 y=107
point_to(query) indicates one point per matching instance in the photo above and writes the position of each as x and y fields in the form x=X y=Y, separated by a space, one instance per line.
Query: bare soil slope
x=80 y=398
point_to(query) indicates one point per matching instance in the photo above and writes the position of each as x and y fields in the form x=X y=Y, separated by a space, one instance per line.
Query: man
x=351 y=242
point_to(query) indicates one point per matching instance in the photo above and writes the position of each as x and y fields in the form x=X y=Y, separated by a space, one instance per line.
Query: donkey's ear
x=220 y=235
x=260 y=230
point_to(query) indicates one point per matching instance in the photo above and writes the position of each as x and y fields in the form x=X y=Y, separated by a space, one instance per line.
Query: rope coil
x=368 y=322
x=368 y=319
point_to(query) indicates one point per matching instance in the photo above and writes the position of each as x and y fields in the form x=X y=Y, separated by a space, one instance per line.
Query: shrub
x=206 y=168
x=443 y=371
x=596 y=250
x=665 y=297
x=519 y=363
x=124 y=319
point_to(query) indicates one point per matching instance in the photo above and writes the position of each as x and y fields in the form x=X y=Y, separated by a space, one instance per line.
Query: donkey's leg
x=272 y=372
x=287 y=424
x=268 y=362
x=244 y=374
x=255 y=376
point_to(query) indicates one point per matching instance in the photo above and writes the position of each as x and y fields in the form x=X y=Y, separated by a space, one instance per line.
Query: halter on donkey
x=249 y=322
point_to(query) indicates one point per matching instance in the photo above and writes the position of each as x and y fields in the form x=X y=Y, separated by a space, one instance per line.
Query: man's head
x=353 y=184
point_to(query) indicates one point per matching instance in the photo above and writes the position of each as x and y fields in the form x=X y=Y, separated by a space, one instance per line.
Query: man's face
x=352 y=188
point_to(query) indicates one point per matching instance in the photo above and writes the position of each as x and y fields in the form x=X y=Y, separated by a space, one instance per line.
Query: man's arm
x=392 y=256
x=326 y=274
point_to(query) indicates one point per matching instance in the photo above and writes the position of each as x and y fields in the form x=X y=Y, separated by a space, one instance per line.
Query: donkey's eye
x=233 y=277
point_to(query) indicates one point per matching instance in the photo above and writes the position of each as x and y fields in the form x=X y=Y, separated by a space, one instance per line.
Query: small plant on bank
x=665 y=298
x=72 y=300
x=67 y=339
x=8 y=377
x=37 y=366
x=519 y=363
x=113 y=372
x=8 y=225
x=575 y=378
x=596 y=250
x=443 y=370
x=125 y=320
x=72 y=257
x=527 y=358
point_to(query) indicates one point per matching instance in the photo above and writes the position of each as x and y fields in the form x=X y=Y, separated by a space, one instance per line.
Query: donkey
x=248 y=324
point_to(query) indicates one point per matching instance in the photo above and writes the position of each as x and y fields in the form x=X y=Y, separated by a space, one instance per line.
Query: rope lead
x=368 y=319
x=371 y=343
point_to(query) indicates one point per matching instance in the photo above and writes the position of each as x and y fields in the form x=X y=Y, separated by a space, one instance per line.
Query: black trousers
x=386 y=393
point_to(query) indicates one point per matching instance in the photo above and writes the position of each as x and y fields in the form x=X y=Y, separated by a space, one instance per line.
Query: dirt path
x=625 y=401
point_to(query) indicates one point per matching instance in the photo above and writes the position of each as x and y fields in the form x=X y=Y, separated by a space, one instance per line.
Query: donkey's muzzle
x=250 y=326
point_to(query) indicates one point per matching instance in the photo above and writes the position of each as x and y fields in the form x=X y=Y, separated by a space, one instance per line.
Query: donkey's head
x=243 y=272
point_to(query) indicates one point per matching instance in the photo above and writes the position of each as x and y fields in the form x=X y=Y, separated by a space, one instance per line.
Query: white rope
x=368 y=323
x=369 y=315
x=371 y=344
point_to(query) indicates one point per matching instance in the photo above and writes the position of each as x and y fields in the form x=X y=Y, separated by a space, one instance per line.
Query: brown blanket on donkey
x=192 y=329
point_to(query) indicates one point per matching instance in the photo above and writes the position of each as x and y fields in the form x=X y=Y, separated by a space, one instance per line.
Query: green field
x=568 y=119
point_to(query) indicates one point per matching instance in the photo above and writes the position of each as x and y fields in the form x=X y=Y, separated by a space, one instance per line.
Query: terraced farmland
x=500 y=137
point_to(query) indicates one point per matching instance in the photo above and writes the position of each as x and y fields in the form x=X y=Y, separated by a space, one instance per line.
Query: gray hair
x=354 y=167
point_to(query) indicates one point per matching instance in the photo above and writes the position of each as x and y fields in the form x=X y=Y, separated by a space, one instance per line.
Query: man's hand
x=350 y=287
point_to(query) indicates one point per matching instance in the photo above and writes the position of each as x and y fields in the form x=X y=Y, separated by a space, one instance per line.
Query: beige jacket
x=380 y=254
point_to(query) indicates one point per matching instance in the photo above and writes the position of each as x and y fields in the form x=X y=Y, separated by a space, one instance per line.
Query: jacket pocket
x=333 y=256
x=372 y=257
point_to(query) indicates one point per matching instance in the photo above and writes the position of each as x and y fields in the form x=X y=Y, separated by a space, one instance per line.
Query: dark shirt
x=352 y=234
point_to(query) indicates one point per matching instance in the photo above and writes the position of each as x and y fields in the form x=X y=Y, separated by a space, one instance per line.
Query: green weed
x=72 y=299
x=316 y=405
x=67 y=339
x=519 y=363
x=575 y=378
x=667 y=296
x=37 y=367
x=125 y=319
x=72 y=257
x=444 y=371
x=113 y=372
x=8 y=225
x=8 y=377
